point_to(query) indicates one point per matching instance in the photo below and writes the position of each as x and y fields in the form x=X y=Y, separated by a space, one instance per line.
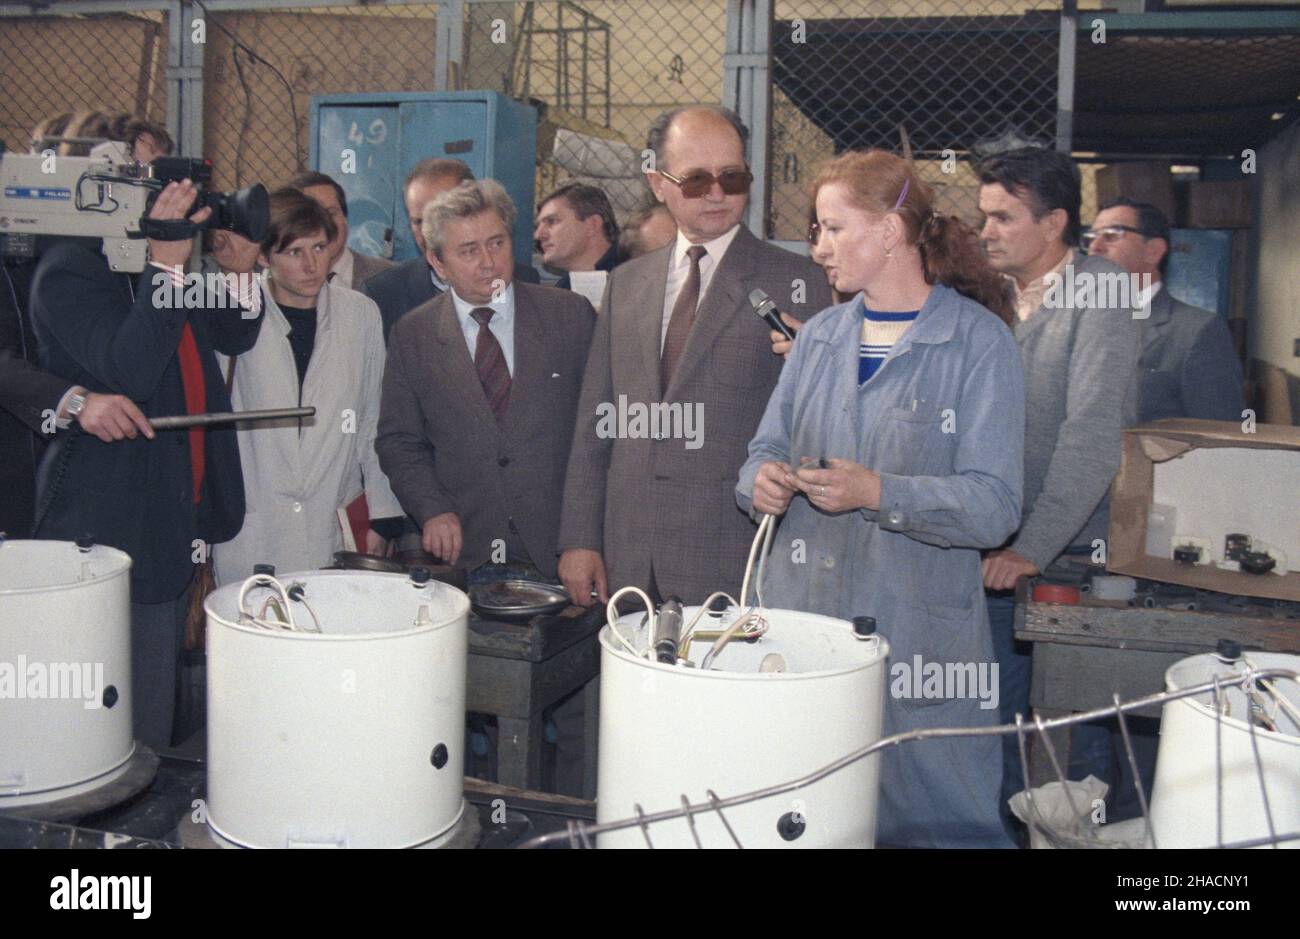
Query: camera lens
x=245 y=212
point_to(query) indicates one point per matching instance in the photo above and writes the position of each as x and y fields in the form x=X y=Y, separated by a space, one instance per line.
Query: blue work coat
x=942 y=421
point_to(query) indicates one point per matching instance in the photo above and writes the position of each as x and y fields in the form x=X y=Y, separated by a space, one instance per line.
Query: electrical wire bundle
x=280 y=602
x=748 y=626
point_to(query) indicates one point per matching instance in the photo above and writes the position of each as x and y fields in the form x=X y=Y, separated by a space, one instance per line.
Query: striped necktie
x=490 y=362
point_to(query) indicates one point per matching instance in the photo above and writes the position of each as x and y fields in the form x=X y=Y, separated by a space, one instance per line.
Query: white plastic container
x=1185 y=796
x=668 y=731
x=65 y=670
x=351 y=737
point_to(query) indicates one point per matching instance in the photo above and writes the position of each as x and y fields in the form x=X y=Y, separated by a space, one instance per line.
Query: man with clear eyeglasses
x=1188 y=366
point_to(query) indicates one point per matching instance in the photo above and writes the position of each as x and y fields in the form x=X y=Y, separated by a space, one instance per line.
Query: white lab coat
x=295 y=481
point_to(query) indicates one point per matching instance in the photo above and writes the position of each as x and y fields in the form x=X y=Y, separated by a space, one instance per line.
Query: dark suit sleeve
x=582 y=521
x=406 y=455
x=233 y=330
x=1211 y=378
x=126 y=350
x=387 y=290
x=25 y=391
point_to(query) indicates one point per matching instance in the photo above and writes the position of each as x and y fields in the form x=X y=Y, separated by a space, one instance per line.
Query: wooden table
x=1084 y=654
x=517 y=670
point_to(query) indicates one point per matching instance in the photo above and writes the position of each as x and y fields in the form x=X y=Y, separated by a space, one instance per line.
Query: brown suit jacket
x=640 y=501
x=442 y=449
x=365 y=267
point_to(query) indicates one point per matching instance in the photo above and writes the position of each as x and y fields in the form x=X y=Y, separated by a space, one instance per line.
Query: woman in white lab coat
x=320 y=346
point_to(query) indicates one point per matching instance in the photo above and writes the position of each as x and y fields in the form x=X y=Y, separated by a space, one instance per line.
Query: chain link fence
x=69 y=65
x=262 y=67
x=935 y=78
x=602 y=71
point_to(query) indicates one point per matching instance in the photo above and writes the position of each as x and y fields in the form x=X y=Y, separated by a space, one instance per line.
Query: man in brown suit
x=677 y=329
x=480 y=392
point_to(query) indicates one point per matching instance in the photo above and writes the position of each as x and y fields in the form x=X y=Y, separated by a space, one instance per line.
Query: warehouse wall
x=1276 y=287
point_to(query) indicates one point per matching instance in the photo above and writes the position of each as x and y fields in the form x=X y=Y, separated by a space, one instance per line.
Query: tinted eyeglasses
x=1108 y=235
x=698 y=183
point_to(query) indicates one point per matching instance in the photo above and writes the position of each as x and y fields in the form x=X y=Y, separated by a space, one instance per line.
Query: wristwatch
x=76 y=404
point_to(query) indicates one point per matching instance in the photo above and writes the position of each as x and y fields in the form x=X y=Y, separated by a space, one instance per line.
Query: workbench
x=1084 y=654
x=517 y=670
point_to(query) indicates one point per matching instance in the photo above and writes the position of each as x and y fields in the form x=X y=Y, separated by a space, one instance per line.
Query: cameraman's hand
x=175 y=202
x=113 y=417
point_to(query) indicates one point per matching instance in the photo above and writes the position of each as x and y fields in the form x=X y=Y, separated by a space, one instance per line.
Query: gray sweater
x=1079 y=356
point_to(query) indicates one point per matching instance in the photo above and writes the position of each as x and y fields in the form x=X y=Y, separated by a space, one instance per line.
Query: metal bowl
x=404 y=563
x=517 y=599
x=356 y=561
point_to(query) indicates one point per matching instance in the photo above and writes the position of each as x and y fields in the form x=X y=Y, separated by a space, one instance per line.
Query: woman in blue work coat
x=912 y=392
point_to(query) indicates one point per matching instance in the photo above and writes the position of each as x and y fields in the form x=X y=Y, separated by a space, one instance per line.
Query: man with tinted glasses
x=1188 y=367
x=677 y=333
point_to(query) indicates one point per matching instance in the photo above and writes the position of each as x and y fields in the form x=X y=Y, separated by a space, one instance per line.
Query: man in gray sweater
x=1079 y=342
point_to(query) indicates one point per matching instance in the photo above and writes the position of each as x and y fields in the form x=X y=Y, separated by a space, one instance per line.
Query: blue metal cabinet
x=370 y=142
x=1200 y=267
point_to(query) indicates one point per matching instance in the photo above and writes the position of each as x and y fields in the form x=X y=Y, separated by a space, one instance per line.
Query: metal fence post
x=748 y=91
x=450 y=44
x=1065 y=76
x=184 y=80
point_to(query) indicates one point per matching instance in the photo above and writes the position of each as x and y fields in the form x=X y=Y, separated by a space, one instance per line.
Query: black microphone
x=765 y=310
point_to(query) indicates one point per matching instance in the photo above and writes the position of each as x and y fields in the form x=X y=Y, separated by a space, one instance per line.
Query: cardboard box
x=1218 y=204
x=1145 y=181
x=1219 y=479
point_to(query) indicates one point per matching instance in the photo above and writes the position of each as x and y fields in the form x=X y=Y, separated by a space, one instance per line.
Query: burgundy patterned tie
x=491 y=364
x=683 y=318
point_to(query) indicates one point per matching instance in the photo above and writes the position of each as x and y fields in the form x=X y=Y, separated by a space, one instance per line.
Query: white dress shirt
x=502 y=323
x=679 y=268
x=1144 y=297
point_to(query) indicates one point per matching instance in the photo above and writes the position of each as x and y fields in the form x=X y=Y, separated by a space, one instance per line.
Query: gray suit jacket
x=1079 y=366
x=442 y=449
x=640 y=501
x=365 y=267
x=1188 y=366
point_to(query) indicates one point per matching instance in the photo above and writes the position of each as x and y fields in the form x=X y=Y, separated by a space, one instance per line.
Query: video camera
x=108 y=195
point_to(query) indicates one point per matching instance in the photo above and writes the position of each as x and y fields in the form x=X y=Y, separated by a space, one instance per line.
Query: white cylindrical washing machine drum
x=350 y=737
x=65 y=669
x=1205 y=764
x=671 y=730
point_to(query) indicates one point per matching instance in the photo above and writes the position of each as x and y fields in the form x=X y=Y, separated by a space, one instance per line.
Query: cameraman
x=162 y=498
x=34 y=403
